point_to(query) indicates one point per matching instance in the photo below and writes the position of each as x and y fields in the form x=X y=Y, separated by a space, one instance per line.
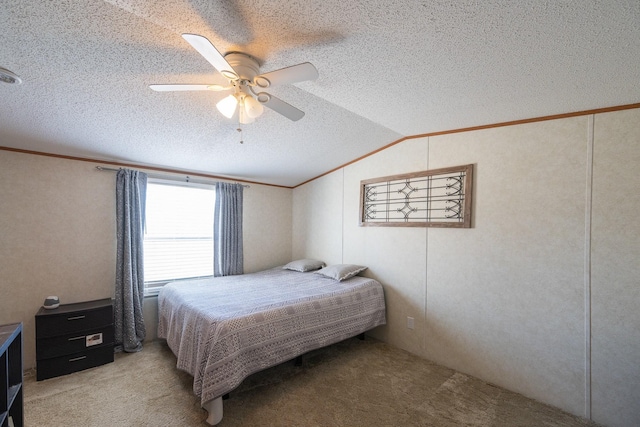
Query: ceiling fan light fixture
x=227 y=106
x=252 y=107
x=245 y=119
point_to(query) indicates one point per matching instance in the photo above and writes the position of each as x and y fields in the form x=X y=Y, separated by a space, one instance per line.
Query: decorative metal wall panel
x=436 y=198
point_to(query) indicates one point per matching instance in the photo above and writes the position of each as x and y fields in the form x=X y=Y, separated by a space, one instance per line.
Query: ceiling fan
x=243 y=73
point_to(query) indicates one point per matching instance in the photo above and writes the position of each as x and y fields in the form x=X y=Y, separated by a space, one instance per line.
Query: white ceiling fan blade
x=187 y=87
x=294 y=74
x=279 y=106
x=211 y=54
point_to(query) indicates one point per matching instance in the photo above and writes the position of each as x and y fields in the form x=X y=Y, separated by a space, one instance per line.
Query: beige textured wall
x=505 y=299
x=317 y=214
x=57 y=231
x=510 y=300
x=267 y=227
x=615 y=274
x=395 y=255
x=57 y=226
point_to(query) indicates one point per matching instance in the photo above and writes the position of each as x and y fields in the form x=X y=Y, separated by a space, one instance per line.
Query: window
x=178 y=237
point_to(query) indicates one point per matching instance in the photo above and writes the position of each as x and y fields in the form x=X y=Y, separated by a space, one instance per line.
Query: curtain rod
x=104 y=169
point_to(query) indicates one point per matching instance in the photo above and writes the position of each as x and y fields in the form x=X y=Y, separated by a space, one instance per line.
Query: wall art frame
x=432 y=198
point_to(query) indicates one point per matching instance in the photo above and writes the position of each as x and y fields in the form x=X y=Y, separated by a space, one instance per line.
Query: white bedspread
x=224 y=329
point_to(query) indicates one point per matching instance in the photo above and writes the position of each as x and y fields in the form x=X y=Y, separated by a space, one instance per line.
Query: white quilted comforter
x=224 y=329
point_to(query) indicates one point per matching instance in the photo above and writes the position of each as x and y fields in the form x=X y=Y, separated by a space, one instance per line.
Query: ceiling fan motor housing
x=245 y=66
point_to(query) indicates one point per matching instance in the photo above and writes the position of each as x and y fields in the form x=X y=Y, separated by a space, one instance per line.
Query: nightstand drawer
x=66 y=321
x=73 y=343
x=49 y=368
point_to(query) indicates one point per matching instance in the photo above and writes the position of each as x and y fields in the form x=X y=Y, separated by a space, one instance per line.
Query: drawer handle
x=75 y=318
x=75 y=359
x=76 y=338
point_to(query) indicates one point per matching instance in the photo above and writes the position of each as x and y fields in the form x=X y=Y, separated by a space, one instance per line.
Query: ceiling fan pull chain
x=240 y=131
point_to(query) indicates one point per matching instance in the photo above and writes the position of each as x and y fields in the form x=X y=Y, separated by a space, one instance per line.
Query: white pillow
x=304 y=265
x=341 y=272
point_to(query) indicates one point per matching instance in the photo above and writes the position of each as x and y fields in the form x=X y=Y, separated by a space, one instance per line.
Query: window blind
x=178 y=238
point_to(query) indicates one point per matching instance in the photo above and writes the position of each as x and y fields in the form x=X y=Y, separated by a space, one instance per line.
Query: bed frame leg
x=214 y=408
x=361 y=337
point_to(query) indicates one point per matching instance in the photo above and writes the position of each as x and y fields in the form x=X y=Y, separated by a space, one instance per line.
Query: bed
x=223 y=329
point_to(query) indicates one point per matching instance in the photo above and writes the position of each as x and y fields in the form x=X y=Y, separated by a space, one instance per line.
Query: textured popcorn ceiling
x=387 y=70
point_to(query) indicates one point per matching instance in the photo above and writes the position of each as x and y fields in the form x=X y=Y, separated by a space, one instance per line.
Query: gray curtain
x=131 y=188
x=227 y=234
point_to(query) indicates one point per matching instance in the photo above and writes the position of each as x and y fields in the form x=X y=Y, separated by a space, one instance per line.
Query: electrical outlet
x=410 y=322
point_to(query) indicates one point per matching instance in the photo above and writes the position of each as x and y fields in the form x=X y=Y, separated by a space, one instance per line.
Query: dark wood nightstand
x=73 y=337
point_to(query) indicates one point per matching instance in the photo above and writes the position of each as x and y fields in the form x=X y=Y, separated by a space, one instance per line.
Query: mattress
x=223 y=329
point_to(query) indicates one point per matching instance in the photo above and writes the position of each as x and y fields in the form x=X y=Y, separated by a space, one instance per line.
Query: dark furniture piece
x=73 y=337
x=11 y=406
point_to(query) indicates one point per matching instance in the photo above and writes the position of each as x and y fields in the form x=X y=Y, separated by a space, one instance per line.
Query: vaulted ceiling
x=387 y=70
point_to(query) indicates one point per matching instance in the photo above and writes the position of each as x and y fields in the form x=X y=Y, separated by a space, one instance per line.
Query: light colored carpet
x=353 y=383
